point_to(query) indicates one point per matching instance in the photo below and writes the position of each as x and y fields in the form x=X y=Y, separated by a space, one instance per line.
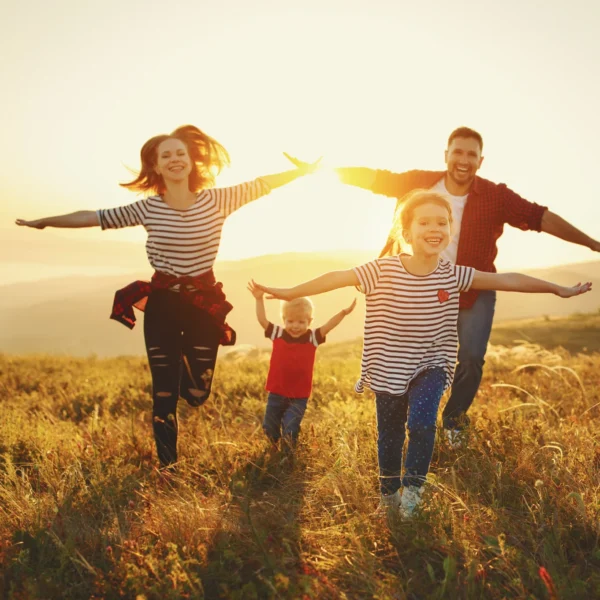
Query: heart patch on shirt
x=443 y=296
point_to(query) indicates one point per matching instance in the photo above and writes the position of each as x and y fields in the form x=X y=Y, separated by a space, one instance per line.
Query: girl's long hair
x=206 y=154
x=403 y=216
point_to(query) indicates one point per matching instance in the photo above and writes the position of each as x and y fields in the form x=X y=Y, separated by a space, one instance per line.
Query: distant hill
x=70 y=315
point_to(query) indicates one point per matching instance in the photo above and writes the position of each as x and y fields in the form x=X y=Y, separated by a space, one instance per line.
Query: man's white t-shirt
x=458 y=206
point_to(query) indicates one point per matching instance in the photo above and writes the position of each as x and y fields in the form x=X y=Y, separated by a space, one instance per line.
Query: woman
x=185 y=307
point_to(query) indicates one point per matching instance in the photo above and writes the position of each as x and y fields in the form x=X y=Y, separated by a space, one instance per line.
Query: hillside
x=70 y=315
x=85 y=514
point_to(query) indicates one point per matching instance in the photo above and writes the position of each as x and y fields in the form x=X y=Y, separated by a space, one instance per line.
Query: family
x=430 y=295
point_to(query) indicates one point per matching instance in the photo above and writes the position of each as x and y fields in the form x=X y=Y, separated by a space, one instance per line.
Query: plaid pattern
x=203 y=291
x=489 y=206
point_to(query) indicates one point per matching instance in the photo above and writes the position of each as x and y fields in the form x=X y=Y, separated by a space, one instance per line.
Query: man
x=481 y=208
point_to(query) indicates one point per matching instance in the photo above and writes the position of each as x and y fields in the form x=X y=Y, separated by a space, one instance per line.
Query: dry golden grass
x=85 y=514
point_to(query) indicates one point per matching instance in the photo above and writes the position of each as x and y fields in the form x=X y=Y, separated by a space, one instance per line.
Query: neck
x=421 y=264
x=457 y=189
x=178 y=194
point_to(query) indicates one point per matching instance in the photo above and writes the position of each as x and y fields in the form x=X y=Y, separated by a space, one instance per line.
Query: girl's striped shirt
x=410 y=324
x=184 y=242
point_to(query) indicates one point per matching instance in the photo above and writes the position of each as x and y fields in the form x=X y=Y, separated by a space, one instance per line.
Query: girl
x=185 y=307
x=410 y=335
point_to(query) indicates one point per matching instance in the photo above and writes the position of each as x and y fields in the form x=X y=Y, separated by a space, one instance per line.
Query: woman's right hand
x=37 y=224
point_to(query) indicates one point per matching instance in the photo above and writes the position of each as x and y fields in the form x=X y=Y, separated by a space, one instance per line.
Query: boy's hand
x=348 y=310
x=255 y=290
x=576 y=290
x=37 y=224
x=304 y=166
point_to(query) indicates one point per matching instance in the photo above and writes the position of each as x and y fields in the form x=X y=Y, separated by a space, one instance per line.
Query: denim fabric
x=283 y=417
x=417 y=408
x=474 y=328
x=182 y=343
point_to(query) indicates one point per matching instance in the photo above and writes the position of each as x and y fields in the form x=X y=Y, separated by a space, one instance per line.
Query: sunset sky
x=379 y=83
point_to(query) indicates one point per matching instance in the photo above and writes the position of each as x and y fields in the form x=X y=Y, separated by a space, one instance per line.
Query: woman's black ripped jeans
x=182 y=343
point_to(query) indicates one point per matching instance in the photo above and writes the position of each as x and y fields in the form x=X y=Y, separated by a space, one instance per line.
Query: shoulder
x=485 y=186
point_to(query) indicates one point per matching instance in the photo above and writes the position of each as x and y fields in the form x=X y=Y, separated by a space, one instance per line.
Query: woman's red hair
x=207 y=156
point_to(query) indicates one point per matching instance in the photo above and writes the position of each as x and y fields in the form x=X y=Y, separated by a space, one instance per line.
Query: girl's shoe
x=410 y=501
x=389 y=504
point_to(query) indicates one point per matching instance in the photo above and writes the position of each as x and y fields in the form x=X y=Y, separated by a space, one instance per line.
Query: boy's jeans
x=474 y=328
x=418 y=407
x=283 y=417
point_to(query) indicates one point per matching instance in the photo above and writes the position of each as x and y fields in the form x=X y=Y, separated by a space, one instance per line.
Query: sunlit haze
x=378 y=84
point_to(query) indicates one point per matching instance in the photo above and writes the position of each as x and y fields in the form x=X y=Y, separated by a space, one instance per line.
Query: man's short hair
x=466 y=132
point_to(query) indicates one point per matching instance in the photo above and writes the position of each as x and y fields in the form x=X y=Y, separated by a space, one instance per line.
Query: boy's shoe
x=410 y=501
x=455 y=437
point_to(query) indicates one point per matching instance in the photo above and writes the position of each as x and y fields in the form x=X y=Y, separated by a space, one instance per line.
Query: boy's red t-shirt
x=292 y=361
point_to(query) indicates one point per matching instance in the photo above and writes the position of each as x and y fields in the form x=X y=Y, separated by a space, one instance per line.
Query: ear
x=480 y=161
x=446 y=156
x=406 y=235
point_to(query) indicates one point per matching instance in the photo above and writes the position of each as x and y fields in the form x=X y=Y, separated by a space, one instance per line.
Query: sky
x=378 y=84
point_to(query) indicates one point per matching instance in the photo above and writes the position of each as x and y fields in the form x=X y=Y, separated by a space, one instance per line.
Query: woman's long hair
x=206 y=154
x=404 y=214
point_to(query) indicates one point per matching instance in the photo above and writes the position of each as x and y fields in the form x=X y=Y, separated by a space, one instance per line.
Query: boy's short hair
x=304 y=305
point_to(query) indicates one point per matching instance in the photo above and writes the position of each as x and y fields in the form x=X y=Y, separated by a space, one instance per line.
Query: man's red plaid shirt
x=489 y=206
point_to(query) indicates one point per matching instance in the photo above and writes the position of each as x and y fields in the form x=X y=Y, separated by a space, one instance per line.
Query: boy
x=289 y=382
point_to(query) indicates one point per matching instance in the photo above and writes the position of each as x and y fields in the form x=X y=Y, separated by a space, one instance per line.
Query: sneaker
x=455 y=437
x=389 y=504
x=410 y=501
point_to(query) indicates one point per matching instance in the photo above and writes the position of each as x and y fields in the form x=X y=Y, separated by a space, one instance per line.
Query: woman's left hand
x=576 y=290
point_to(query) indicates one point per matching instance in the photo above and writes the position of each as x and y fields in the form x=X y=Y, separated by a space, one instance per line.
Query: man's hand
x=348 y=310
x=576 y=290
x=306 y=167
x=254 y=290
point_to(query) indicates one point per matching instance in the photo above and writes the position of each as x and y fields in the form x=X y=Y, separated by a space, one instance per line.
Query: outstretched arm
x=258 y=294
x=516 y=282
x=325 y=283
x=558 y=227
x=81 y=218
x=336 y=319
x=279 y=179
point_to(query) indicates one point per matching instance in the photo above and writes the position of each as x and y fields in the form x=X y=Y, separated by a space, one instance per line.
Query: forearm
x=279 y=179
x=558 y=227
x=358 y=176
x=81 y=218
x=513 y=282
x=324 y=283
x=332 y=323
x=261 y=314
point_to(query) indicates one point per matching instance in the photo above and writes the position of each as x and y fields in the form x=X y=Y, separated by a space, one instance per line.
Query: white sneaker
x=410 y=501
x=455 y=437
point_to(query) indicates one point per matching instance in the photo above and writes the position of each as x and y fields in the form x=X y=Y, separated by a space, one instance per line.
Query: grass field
x=85 y=514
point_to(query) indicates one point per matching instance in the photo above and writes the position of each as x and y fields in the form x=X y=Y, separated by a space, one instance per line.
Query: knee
x=422 y=429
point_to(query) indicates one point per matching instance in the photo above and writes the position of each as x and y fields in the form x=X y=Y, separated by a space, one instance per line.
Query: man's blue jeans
x=474 y=329
x=283 y=417
x=417 y=408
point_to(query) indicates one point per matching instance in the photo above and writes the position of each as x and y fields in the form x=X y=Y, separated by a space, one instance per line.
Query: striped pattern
x=184 y=242
x=410 y=324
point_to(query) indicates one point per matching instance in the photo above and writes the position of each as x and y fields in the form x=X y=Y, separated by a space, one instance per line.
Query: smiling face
x=173 y=161
x=463 y=159
x=429 y=229
x=296 y=321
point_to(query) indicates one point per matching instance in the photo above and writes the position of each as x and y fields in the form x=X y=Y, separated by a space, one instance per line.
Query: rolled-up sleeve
x=229 y=199
x=122 y=216
x=521 y=213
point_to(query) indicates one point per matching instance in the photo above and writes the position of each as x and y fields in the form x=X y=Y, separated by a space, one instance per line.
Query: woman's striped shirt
x=184 y=242
x=411 y=322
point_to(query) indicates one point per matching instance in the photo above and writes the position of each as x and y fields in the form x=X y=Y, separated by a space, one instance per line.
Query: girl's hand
x=576 y=290
x=306 y=167
x=275 y=293
x=348 y=310
x=37 y=224
x=254 y=290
